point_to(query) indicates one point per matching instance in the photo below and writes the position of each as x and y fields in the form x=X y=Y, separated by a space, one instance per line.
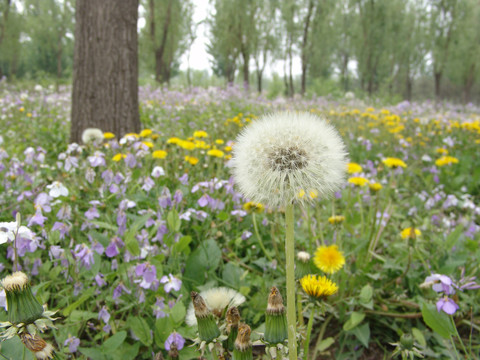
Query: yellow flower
x=446 y=160
x=442 y=151
x=145 y=132
x=216 y=153
x=135 y=135
x=191 y=159
x=200 y=134
x=253 y=207
x=154 y=136
x=228 y=157
x=319 y=287
x=22 y=109
x=329 y=259
x=336 y=219
x=187 y=145
x=375 y=186
x=148 y=144
x=227 y=148
x=354 y=168
x=108 y=135
x=219 y=142
x=173 y=140
x=29 y=114
x=119 y=157
x=410 y=233
x=159 y=154
x=394 y=162
x=358 y=181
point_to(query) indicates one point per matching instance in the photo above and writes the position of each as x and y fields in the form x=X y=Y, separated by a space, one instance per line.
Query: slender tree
x=105 y=72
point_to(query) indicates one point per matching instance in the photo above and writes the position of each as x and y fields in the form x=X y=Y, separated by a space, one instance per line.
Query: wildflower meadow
x=236 y=226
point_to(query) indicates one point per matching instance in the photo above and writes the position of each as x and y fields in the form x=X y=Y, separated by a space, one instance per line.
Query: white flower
x=3 y=299
x=57 y=189
x=158 y=171
x=217 y=300
x=282 y=155
x=91 y=135
x=8 y=230
x=38 y=87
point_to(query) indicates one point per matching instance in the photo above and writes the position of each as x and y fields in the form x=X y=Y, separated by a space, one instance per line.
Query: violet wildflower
x=113 y=249
x=158 y=308
x=84 y=254
x=174 y=339
x=171 y=283
x=148 y=273
x=57 y=189
x=73 y=343
x=183 y=179
x=447 y=305
x=97 y=159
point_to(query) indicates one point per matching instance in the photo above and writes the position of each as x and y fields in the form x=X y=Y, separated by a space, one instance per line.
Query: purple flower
x=174 y=339
x=73 y=343
x=97 y=159
x=246 y=234
x=148 y=184
x=171 y=283
x=104 y=315
x=92 y=213
x=183 y=179
x=117 y=292
x=83 y=254
x=440 y=283
x=113 y=248
x=37 y=219
x=178 y=197
x=61 y=228
x=204 y=200
x=158 y=308
x=148 y=273
x=99 y=280
x=447 y=305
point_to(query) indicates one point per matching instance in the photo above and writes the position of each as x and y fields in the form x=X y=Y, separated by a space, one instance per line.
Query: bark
x=468 y=83
x=304 y=47
x=246 y=69
x=105 y=69
x=5 y=19
x=438 y=79
x=162 y=67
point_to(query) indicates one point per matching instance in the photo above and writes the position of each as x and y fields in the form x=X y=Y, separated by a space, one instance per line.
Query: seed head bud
x=23 y=307
x=232 y=318
x=275 y=320
x=243 y=345
x=40 y=348
x=207 y=327
x=303 y=264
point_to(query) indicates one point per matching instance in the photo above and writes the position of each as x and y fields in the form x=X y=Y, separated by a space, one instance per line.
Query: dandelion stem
x=306 y=345
x=260 y=242
x=458 y=336
x=290 y=279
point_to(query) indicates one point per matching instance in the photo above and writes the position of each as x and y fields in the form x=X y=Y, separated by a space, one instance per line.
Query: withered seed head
x=37 y=345
x=275 y=302
x=233 y=316
x=201 y=309
x=243 y=342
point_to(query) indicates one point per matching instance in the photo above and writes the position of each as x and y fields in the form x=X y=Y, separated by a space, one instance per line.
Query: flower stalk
x=290 y=278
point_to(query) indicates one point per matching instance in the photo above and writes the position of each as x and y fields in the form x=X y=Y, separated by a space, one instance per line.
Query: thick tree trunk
x=259 y=81
x=105 y=69
x=304 y=47
x=162 y=67
x=438 y=80
x=468 y=83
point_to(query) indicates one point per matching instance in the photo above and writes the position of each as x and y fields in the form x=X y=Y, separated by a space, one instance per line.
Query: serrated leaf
x=114 y=342
x=437 y=321
x=141 y=329
x=355 y=319
x=362 y=333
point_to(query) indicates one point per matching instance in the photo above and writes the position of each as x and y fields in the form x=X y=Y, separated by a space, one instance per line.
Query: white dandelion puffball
x=217 y=299
x=92 y=134
x=287 y=156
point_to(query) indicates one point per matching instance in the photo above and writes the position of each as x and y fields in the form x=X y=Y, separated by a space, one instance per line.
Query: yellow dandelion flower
x=410 y=233
x=29 y=114
x=318 y=287
x=227 y=148
x=191 y=159
x=155 y=136
x=135 y=135
x=446 y=160
x=148 y=144
x=336 y=219
x=329 y=259
x=200 y=134
x=394 y=163
x=187 y=145
x=216 y=153
x=145 y=132
x=108 y=135
x=118 y=157
x=375 y=186
x=219 y=142
x=173 y=140
x=358 y=181
x=22 y=109
x=442 y=151
x=228 y=157
x=253 y=207
x=159 y=154
x=354 y=168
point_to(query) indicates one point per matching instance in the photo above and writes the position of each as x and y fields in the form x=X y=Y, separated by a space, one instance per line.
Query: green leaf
x=366 y=295
x=223 y=216
x=418 y=335
x=79 y=315
x=141 y=329
x=163 y=328
x=231 y=275
x=86 y=295
x=131 y=242
x=113 y=342
x=205 y=258
x=362 y=333
x=453 y=237
x=14 y=349
x=105 y=225
x=92 y=353
x=325 y=344
x=355 y=319
x=178 y=313
x=182 y=244
x=437 y=321
x=173 y=221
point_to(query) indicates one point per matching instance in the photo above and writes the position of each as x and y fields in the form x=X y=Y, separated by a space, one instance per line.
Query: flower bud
x=23 y=307
x=303 y=264
x=207 y=327
x=40 y=348
x=243 y=345
x=275 y=320
x=407 y=341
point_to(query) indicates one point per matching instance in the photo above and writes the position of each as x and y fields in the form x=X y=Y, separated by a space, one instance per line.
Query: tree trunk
x=344 y=72
x=468 y=83
x=304 y=48
x=246 y=70
x=105 y=68
x=259 y=80
x=438 y=79
x=162 y=67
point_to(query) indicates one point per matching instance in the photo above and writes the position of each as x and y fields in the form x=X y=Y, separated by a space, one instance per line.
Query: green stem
x=458 y=336
x=454 y=347
x=306 y=345
x=290 y=274
x=260 y=242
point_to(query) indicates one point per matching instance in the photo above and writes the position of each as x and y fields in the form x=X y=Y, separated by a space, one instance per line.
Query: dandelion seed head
x=280 y=155
x=17 y=281
x=91 y=135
